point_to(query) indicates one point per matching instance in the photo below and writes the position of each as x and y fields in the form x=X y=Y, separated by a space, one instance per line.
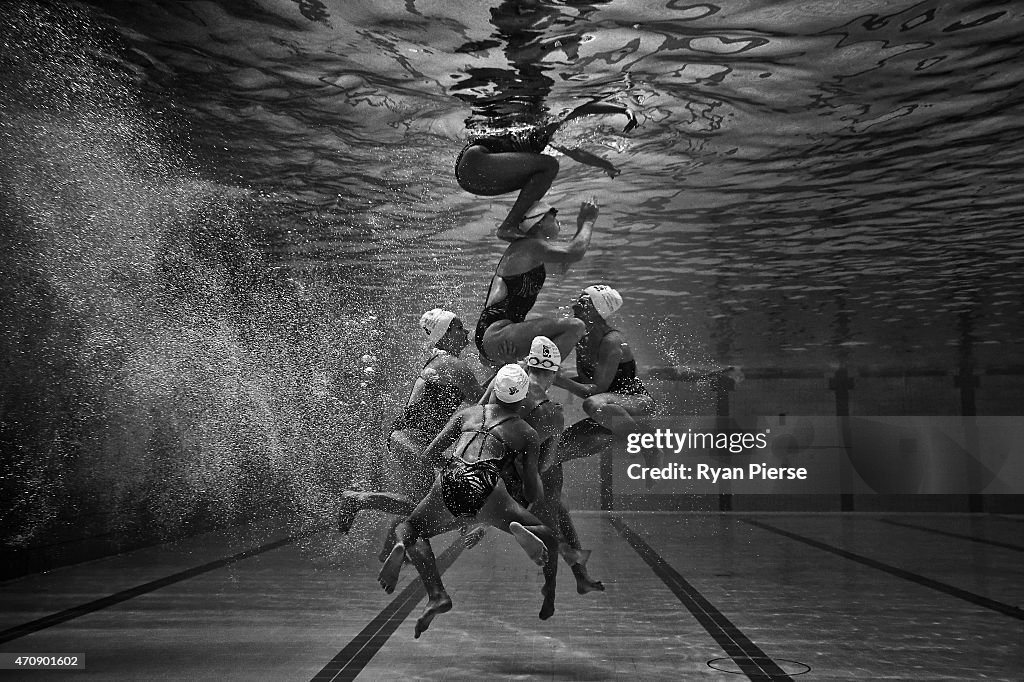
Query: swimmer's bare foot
x=547 y=609
x=435 y=607
x=584 y=583
x=471 y=537
x=531 y=544
x=388 y=576
x=389 y=541
x=351 y=501
x=572 y=555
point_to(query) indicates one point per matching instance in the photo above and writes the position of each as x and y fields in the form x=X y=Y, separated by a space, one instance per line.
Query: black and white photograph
x=565 y=340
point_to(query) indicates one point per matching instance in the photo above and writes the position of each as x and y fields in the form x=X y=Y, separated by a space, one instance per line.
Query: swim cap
x=605 y=299
x=435 y=324
x=534 y=214
x=544 y=354
x=511 y=384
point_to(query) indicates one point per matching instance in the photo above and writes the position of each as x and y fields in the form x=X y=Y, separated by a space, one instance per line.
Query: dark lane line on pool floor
x=124 y=595
x=950 y=534
x=945 y=588
x=351 y=660
x=748 y=656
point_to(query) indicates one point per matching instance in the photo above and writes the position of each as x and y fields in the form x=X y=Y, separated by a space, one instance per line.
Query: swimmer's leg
x=353 y=501
x=572 y=549
x=504 y=513
x=438 y=600
x=389 y=503
x=490 y=174
x=430 y=517
x=565 y=332
x=624 y=415
x=585 y=438
x=416 y=476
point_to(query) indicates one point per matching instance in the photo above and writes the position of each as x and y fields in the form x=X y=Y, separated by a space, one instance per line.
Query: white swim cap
x=544 y=354
x=435 y=324
x=605 y=299
x=534 y=214
x=511 y=384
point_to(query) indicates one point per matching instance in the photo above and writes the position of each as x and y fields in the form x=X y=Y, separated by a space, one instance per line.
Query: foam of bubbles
x=157 y=373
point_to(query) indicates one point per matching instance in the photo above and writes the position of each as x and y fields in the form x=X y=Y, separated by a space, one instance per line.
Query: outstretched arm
x=584 y=157
x=603 y=108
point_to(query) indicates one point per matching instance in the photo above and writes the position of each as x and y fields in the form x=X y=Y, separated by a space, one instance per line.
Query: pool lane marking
x=977 y=599
x=130 y=593
x=351 y=660
x=961 y=536
x=748 y=656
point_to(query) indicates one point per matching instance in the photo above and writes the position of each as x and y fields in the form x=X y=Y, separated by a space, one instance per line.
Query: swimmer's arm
x=575 y=249
x=528 y=472
x=488 y=392
x=548 y=453
x=608 y=358
x=555 y=423
x=464 y=378
x=444 y=440
x=591 y=108
x=585 y=157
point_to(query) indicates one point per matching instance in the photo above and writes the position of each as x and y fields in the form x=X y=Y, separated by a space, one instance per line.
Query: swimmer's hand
x=632 y=123
x=506 y=351
x=588 y=212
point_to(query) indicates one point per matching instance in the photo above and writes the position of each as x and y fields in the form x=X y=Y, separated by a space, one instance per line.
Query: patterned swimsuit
x=465 y=486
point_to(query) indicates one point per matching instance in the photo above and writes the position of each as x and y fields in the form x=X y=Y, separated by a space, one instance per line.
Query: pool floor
x=689 y=595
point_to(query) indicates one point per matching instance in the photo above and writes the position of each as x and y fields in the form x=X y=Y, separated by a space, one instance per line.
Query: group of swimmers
x=509 y=436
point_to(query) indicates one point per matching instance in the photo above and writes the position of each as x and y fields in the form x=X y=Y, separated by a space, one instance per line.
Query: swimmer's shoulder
x=613 y=341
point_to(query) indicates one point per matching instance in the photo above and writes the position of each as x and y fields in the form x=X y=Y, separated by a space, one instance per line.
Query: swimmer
x=490 y=165
x=470 y=489
x=548 y=420
x=517 y=282
x=615 y=399
x=444 y=383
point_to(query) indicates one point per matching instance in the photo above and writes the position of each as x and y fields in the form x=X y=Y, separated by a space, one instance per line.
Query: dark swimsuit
x=465 y=486
x=509 y=474
x=435 y=406
x=522 y=289
x=625 y=381
x=531 y=140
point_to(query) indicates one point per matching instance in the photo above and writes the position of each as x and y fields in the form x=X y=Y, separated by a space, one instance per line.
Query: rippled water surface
x=807 y=176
